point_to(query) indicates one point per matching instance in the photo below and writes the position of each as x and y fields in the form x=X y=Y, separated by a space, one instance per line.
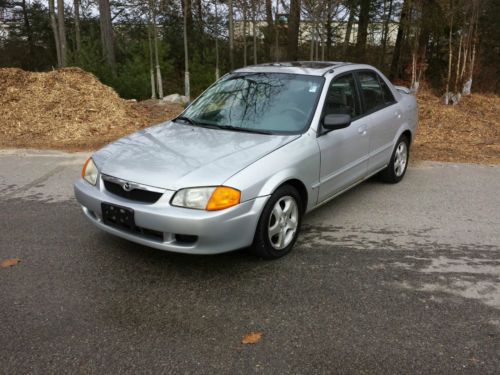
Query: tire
x=274 y=246
x=398 y=164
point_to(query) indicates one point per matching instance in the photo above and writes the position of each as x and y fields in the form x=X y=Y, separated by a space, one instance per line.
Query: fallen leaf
x=9 y=262
x=252 y=338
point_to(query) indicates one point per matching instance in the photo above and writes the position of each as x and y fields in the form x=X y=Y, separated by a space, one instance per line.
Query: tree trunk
x=187 y=88
x=269 y=36
x=350 y=21
x=254 y=32
x=313 y=37
x=328 y=30
x=466 y=90
x=231 y=35
x=244 y=11
x=62 y=31
x=364 y=20
x=77 y=25
x=29 y=31
x=399 y=40
x=216 y=43
x=293 y=30
x=385 y=32
x=450 y=57
x=201 y=32
x=55 y=31
x=428 y=8
x=151 y=62
x=459 y=59
x=159 y=81
x=276 y=35
x=186 y=6
x=107 y=38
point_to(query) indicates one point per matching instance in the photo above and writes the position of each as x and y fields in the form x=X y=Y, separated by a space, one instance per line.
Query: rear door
x=344 y=152
x=382 y=115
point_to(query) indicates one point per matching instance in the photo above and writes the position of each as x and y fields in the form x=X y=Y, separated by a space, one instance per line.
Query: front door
x=344 y=152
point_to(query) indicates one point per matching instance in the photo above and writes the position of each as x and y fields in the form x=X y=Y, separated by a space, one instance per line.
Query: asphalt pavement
x=385 y=279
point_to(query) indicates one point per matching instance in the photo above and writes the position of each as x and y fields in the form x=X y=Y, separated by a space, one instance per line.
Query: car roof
x=315 y=68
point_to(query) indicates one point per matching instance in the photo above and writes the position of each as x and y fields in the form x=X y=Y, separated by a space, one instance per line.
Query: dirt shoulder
x=69 y=109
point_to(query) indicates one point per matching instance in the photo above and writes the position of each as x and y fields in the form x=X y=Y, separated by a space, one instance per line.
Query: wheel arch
x=301 y=188
x=407 y=133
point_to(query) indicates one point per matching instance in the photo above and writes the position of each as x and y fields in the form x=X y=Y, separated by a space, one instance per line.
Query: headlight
x=207 y=198
x=90 y=172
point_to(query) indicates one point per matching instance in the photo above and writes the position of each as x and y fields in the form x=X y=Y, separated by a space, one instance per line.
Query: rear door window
x=371 y=91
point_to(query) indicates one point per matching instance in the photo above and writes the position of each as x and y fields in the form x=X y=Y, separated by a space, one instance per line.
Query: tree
x=187 y=88
x=269 y=35
x=159 y=81
x=78 y=38
x=394 y=72
x=293 y=30
x=254 y=29
x=231 y=35
x=447 y=94
x=245 y=44
x=107 y=36
x=363 y=22
x=62 y=32
x=151 y=55
x=55 y=31
x=385 y=30
x=216 y=43
x=351 y=7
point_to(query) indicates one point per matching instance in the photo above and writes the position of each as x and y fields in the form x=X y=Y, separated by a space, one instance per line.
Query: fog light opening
x=186 y=238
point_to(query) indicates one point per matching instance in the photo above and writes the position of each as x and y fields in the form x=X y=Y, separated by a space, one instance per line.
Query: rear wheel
x=279 y=224
x=396 y=169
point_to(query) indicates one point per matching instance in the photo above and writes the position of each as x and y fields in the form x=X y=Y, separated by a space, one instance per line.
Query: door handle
x=362 y=129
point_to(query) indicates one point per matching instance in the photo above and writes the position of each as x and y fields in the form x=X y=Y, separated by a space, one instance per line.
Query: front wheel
x=279 y=224
x=396 y=169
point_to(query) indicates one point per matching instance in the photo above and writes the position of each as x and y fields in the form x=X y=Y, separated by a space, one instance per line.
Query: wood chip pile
x=468 y=132
x=68 y=109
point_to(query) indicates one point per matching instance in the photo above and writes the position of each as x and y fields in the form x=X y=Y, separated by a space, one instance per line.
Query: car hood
x=173 y=155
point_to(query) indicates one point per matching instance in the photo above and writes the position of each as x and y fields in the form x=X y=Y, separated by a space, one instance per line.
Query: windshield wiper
x=197 y=123
x=186 y=119
x=246 y=130
x=224 y=127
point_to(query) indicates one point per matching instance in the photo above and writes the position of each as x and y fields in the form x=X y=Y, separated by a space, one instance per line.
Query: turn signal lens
x=90 y=172
x=223 y=197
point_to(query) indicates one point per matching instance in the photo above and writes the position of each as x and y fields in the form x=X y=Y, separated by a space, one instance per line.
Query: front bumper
x=216 y=231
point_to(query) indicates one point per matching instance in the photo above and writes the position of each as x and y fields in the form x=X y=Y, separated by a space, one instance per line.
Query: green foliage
x=202 y=75
x=132 y=76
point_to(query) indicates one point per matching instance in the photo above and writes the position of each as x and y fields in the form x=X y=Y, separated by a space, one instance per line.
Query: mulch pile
x=468 y=132
x=68 y=109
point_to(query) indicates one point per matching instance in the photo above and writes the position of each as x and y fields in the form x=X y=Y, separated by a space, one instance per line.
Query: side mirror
x=336 y=121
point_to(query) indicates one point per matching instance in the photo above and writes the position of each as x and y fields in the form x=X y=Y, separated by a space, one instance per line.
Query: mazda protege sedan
x=247 y=159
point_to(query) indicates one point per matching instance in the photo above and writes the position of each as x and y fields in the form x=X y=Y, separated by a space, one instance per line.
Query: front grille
x=137 y=195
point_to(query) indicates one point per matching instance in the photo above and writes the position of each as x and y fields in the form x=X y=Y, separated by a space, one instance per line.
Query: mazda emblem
x=126 y=186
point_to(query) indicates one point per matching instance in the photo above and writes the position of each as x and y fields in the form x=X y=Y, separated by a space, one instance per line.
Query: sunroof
x=306 y=64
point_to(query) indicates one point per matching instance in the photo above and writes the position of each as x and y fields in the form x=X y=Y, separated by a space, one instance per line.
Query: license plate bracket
x=118 y=216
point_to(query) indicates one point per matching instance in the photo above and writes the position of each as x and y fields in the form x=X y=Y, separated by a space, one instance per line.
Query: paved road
x=385 y=279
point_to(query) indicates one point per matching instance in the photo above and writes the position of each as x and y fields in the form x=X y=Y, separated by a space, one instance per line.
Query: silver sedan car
x=242 y=165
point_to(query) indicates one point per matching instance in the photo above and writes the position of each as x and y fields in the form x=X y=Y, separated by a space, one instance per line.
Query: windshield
x=275 y=103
